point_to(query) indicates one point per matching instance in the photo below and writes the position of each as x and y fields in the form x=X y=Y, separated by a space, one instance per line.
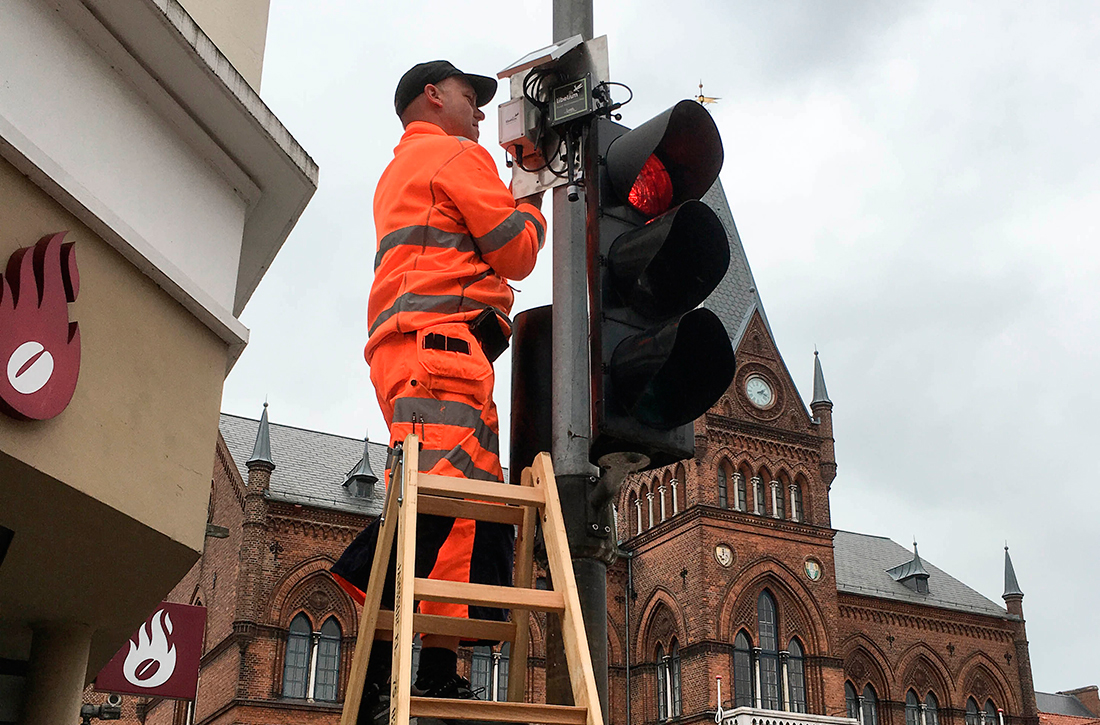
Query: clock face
x=759 y=392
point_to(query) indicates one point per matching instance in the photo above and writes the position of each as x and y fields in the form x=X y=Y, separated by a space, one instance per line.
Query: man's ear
x=434 y=95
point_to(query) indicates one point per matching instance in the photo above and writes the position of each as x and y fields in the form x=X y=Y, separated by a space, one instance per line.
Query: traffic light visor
x=670 y=376
x=685 y=142
x=670 y=265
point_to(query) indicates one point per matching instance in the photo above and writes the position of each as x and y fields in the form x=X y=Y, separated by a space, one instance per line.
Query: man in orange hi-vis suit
x=450 y=235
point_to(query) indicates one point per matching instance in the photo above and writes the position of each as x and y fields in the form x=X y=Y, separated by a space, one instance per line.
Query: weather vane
x=705 y=100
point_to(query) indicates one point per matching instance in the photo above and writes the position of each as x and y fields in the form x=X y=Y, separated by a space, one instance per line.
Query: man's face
x=459 y=114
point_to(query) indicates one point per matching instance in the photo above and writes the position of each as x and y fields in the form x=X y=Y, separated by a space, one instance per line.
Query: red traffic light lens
x=652 y=190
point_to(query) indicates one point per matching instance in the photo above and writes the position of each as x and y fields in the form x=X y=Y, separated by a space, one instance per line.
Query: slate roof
x=1059 y=704
x=736 y=296
x=862 y=562
x=310 y=467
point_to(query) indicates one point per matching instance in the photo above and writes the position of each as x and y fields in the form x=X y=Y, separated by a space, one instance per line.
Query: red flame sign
x=39 y=347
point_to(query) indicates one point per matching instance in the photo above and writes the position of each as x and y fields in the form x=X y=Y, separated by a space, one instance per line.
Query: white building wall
x=126 y=156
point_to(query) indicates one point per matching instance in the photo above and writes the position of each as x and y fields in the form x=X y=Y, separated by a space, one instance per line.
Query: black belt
x=485 y=329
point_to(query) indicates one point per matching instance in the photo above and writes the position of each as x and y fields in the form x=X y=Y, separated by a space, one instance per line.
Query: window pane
x=971 y=712
x=480 y=668
x=796 y=677
x=662 y=685
x=297 y=658
x=990 y=713
x=674 y=675
x=769 y=681
x=723 y=501
x=502 y=672
x=758 y=495
x=851 y=700
x=780 y=507
x=741 y=496
x=931 y=710
x=797 y=514
x=870 y=706
x=742 y=672
x=765 y=618
x=328 y=668
x=912 y=709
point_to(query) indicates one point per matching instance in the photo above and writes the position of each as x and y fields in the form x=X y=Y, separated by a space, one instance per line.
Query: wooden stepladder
x=536 y=500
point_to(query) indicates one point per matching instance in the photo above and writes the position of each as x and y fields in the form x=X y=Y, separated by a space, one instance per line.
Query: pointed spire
x=261 y=452
x=821 y=395
x=360 y=482
x=1012 y=587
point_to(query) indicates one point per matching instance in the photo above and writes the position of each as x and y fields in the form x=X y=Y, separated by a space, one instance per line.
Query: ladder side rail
x=368 y=617
x=582 y=676
x=523 y=578
x=401 y=677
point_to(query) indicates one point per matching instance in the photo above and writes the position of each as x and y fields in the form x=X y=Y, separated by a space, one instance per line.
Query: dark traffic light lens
x=670 y=376
x=652 y=190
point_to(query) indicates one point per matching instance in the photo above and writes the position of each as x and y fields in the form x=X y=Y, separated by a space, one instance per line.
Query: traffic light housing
x=659 y=360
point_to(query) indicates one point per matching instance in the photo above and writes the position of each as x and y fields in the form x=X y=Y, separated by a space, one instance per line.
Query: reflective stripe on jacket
x=449 y=235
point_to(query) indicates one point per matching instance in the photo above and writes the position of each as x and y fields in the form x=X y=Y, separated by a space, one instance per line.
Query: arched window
x=634 y=512
x=296 y=667
x=796 y=677
x=851 y=700
x=674 y=680
x=743 y=695
x=770 y=694
x=931 y=709
x=869 y=706
x=679 y=491
x=912 y=709
x=797 y=513
x=662 y=685
x=328 y=661
x=740 y=501
x=779 y=493
x=990 y=713
x=312 y=667
x=758 y=506
x=723 y=487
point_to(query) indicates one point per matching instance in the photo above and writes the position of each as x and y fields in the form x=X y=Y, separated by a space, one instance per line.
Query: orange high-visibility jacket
x=449 y=236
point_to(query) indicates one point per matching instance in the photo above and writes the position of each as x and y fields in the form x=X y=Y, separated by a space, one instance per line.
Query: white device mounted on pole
x=533 y=147
x=718 y=713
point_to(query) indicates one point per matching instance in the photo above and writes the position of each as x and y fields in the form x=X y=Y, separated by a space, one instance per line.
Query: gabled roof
x=312 y=466
x=862 y=563
x=1060 y=704
x=736 y=297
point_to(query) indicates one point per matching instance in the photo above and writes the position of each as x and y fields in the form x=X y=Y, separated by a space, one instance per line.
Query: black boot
x=438 y=675
x=374 y=708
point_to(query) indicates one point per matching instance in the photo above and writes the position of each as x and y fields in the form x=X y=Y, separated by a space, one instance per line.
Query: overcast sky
x=916 y=186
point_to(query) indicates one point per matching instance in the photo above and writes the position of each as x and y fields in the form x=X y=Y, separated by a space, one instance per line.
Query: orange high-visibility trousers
x=438 y=384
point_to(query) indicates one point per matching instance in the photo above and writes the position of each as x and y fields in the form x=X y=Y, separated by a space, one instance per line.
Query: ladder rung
x=452 y=626
x=490 y=596
x=461 y=509
x=523 y=712
x=430 y=484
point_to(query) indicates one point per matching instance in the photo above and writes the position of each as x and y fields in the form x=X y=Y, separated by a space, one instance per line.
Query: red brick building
x=730 y=569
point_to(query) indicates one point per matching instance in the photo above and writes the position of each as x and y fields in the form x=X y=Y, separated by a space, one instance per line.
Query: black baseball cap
x=412 y=83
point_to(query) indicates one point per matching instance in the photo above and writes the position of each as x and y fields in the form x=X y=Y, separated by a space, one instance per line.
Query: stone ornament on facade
x=812 y=567
x=723 y=554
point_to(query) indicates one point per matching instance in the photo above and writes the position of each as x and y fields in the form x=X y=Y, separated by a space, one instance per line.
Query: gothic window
x=851 y=701
x=912 y=709
x=312 y=666
x=740 y=497
x=669 y=701
x=296 y=667
x=972 y=715
x=662 y=685
x=770 y=695
x=796 y=677
x=501 y=665
x=634 y=525
x=742 y=671
x=327 y=670
x=931 y=709
x=723 y=488
x=990 y=713
x=759 y=508
x=679 y=491
x=779 y=493
x=796 y=502
x=869 y=706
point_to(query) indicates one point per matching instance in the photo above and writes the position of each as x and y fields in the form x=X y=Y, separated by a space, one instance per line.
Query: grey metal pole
x=571 y=415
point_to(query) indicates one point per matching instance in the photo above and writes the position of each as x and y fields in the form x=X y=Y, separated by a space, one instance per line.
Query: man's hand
x=534 y=200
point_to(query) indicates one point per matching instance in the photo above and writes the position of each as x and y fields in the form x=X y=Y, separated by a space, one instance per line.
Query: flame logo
x=39 y=347
x=151 y=660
